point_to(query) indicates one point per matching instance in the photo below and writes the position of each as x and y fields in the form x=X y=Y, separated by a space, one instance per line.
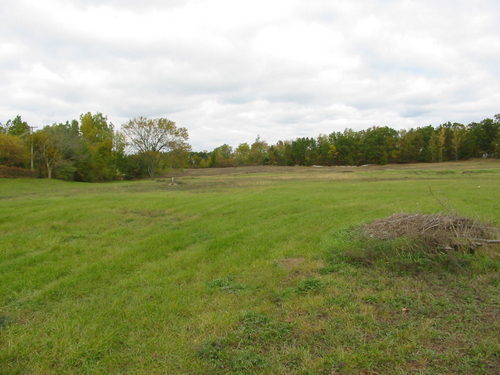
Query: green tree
x=347 y=147
x=177 y=158
x=379 y=145
x=242 y=154
x=280 y=153
x=411 y=143
x=95 y=128
x=304 y=151
x=497 y=137
x=13 y=151
x=424 y=135
x=198 y=159
x=326 y=150
x=134 y=166
x=483 y=137
x=98 y=138
x=119 y=155
x=48 y=149
x=222 y=156
x=258 y=152
x=437 y=143
x=16 y=126
x=73 y=149
x=458 y=136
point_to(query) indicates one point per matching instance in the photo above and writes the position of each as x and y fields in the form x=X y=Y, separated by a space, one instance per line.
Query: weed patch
x=245 y=349
x=246 y=361
x=405 y=256
x=226 y=284
x=280 y=296
x=255 y=327
x=4 y=321
x=310 y=285
x=342 y=301
x=214 y=352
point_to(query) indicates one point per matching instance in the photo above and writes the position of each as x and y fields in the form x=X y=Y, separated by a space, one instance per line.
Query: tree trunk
x=151 y=170
x=152 y=161
x=31 y=156
x=49 y=171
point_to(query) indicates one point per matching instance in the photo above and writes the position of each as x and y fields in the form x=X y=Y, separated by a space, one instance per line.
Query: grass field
x=243 y=273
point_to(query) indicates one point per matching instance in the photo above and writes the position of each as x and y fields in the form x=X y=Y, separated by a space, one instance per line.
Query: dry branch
x=434 y=231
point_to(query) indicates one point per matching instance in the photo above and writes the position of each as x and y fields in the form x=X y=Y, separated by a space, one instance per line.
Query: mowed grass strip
x=239 y=274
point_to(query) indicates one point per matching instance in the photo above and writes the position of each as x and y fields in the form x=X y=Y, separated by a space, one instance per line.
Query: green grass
x=148 y=278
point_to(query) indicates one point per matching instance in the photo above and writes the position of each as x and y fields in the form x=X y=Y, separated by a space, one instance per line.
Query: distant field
x=242 y=271
x=315 y=170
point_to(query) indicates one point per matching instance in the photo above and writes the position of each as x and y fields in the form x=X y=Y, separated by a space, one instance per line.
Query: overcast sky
x=230 y=70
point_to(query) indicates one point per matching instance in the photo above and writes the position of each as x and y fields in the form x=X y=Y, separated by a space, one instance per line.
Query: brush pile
x=435 y=232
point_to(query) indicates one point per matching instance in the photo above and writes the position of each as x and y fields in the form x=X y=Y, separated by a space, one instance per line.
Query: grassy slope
x=119 y=277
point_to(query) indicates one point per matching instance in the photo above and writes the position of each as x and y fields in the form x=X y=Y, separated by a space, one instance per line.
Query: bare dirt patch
x=289 y=263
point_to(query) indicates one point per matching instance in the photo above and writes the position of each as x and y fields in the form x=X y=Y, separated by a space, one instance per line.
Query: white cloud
x=229 y=70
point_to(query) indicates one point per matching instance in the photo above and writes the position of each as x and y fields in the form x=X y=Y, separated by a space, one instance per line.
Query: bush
x=65 y=170
x=14 y=172
x=133 y=167
x=243 y=350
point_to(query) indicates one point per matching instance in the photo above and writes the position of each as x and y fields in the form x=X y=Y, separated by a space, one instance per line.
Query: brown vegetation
x=434 y=231
x=14 y=172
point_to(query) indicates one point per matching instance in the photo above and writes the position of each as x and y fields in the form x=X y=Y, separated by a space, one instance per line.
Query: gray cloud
x=231 y=70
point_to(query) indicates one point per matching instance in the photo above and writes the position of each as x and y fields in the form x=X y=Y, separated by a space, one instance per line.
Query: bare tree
x=152 y=137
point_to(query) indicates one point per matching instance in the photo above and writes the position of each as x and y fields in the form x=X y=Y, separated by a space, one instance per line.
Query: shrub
x=15 y=172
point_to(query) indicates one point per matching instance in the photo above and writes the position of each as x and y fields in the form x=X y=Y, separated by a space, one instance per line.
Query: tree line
x=91 y=149
x=376 y=145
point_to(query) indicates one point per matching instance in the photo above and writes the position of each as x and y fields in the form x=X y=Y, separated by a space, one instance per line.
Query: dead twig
x=434 y=231
x=480 y=240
